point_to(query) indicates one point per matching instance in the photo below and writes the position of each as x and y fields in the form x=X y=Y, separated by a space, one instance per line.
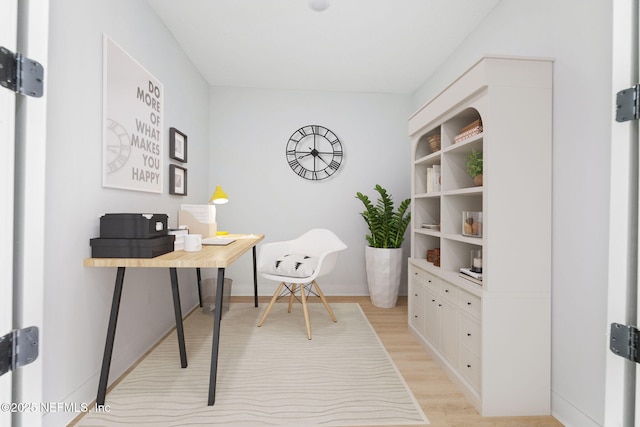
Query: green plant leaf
x=386 y=226
x=474 y=163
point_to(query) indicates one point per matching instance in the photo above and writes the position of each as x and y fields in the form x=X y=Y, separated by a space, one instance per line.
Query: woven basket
x=434 y=143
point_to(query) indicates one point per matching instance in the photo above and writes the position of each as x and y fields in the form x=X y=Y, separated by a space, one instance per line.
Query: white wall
x=577 y=34
x=249 y=132
x=77 y=298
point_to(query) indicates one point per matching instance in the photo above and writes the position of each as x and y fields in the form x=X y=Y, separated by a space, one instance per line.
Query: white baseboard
x=569 y=415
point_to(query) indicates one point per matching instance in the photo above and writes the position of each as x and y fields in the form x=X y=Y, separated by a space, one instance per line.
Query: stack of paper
x=199 y=219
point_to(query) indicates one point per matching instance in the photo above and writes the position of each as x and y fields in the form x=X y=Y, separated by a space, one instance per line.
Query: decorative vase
x=477 y=180
x=384 y=267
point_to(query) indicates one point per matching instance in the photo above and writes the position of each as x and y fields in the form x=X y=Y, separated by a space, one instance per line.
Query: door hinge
x=21 y=74
x=624 y=341
x=628 y=104
x=18 y=348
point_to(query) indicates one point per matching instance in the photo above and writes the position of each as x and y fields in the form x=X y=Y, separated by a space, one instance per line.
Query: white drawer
x=416 y=294
x=470 y=333
x=470 y=367
x=416 y=318
x=470 y=303
x=432 y=282
x=416 y=274
x=450 y=292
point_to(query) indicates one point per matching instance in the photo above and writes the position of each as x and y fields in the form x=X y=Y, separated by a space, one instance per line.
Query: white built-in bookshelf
x=492 y=337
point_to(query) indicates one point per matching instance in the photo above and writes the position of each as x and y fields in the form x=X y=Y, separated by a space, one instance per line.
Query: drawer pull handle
x=468 y=335
x=468 y=303
x=446 y=290
x=468 y=366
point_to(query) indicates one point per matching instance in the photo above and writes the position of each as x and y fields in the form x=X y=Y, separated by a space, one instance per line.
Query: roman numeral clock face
x=314 y=152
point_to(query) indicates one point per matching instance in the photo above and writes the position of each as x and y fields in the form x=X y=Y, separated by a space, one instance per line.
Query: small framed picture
x=177 y=180
x=177 y=145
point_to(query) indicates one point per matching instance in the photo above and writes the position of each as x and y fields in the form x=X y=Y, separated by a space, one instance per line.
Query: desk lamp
x=219 y=197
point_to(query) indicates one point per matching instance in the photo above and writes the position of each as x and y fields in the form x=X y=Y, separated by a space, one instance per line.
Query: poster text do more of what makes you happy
x=132 y=134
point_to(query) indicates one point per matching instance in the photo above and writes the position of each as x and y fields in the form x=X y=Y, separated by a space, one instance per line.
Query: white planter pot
x=384 y=267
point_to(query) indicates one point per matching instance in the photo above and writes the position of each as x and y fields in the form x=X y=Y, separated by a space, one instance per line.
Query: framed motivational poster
x=132 y=137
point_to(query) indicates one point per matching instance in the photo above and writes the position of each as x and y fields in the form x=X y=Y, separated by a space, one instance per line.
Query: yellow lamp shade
x=219 y=196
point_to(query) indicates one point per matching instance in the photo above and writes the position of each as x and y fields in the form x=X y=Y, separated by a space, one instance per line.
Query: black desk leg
x=111 y=334
x=255 y=279
x=217 y=315
x=199 y=276
x=178 y=311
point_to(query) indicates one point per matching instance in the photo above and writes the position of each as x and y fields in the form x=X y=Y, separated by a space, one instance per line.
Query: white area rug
x=272 y=375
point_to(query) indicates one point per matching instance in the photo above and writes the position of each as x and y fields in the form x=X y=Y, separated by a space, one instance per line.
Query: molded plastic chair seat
x=296 y=264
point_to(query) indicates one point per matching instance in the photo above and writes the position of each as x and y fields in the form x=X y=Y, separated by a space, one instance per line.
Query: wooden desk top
x=209 y=257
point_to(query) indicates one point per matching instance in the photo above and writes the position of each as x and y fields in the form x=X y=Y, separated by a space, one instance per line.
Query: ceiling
x=387 y=46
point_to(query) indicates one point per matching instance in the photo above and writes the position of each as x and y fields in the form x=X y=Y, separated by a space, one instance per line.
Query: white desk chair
x=296 y=264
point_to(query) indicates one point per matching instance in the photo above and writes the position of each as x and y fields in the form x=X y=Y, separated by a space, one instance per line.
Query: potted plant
x=383 y=255
x=474 y=166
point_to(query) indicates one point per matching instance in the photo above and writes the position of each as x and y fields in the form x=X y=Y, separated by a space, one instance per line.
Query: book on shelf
x=433 y=179
x=473 y=124
x=471 y=279
x=468 y=134
x=468 y=272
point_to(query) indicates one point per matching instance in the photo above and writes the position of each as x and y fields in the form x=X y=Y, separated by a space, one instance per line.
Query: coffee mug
x=192 y=242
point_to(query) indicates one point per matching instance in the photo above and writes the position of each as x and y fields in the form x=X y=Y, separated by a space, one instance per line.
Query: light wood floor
x=439 y=398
